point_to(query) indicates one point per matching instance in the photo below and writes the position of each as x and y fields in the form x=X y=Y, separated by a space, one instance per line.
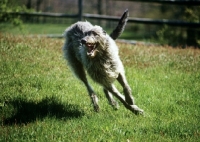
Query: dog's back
x=78 y=29
x=75 y=33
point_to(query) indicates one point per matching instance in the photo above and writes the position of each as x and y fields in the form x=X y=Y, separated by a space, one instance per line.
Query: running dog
x=90 y=48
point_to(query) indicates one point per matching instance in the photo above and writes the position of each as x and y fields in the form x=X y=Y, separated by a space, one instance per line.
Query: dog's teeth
x=90 y=47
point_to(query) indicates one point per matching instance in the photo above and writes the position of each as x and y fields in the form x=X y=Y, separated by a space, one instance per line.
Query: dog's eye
x=86 y=34
x=94 y=33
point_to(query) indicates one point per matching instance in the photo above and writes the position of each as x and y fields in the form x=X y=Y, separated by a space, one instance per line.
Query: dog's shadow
x=21 y=111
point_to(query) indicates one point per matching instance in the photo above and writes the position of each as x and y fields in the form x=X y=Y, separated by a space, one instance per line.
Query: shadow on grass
x=24 y=111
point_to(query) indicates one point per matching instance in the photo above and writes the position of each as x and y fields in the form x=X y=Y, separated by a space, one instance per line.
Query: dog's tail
x=121 y=25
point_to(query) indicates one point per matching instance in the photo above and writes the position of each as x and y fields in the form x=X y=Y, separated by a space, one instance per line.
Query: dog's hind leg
x=111 y=99
x=134 y=108
x=126 y=88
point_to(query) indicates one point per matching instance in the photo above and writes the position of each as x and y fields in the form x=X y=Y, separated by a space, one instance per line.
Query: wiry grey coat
x=90 y=48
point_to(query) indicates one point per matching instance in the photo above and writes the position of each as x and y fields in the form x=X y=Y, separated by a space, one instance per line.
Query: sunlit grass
x=40 y=100
x=31 y=28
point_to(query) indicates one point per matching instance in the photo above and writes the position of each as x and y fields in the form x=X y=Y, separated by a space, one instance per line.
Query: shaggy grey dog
x=90 y=48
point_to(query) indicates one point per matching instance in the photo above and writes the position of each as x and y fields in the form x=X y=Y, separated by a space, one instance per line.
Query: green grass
x=28 y=28
x=40 y=100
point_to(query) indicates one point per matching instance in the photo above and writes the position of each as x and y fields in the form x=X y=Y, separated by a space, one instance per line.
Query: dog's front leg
x=134 y=108
x=92 y=95
x=95 y=101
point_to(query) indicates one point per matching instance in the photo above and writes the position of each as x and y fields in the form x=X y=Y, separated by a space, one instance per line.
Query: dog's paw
x=137 y=110
x=96 y=108
x=115 y=105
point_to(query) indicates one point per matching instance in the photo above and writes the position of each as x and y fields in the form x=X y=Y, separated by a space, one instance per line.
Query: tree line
x=165 y=33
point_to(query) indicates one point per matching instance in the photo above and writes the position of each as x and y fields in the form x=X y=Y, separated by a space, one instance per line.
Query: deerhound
x=90 y=48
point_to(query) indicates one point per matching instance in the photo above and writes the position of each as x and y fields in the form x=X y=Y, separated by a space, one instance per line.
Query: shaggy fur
x=90 y=48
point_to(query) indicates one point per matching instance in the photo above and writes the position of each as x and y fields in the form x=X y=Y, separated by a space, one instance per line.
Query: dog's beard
x=95 y=49
x=93 y=46
x=91 y=49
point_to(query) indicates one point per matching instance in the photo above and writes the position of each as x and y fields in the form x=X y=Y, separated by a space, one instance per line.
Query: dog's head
x=94 y=41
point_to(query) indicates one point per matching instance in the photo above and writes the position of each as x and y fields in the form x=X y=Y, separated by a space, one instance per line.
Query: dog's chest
x=103 y=71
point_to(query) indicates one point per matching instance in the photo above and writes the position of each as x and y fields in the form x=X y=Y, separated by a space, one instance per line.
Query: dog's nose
x=83 y=41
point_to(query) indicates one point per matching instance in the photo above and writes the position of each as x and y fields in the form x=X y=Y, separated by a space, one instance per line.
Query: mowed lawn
x=40 y=99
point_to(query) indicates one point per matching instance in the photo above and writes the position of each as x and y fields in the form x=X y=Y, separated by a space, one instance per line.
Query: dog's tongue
x=90 y=49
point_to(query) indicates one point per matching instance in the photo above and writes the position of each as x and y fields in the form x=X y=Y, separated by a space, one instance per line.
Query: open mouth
x=90 y=47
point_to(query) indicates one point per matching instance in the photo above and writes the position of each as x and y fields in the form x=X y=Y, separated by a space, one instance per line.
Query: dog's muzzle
x=91 y=48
